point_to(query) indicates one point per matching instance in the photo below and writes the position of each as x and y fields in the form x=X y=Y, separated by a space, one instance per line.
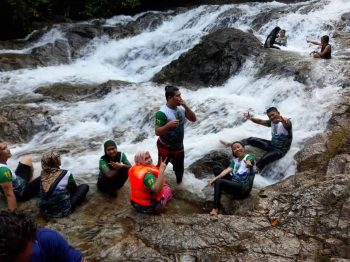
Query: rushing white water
x=126 y=113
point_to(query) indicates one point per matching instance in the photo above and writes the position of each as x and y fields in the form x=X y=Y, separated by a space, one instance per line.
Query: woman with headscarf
x=149 y=193
x=59 y=193
x=271 y=38
x=114 y=168
x=237 y=179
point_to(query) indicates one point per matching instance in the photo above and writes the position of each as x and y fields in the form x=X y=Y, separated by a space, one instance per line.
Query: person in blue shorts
x=22 y=241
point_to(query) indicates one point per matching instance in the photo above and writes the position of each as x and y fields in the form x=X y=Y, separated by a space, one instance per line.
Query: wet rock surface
x=212 y=61
x=18 y=123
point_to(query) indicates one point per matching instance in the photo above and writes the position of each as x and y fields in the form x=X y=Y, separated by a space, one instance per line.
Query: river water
x=126 y=113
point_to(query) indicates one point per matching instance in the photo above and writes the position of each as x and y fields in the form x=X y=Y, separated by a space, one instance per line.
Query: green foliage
x=23 y=13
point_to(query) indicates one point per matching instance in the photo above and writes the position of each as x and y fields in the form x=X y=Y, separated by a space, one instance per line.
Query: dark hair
x=170 y=91
x=325 y=38
x=236 y=142
x=271 y=109
x=16 y=230
x=283 y=30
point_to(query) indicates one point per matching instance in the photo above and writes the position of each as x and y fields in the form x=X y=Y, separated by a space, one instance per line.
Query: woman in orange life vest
x=149 y=193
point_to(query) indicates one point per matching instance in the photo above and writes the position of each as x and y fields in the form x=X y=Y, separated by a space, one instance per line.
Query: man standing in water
x=169 y=126
x=281 y=131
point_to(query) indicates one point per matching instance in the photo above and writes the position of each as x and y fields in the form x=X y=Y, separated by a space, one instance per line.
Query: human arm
x=255 y=120
x=160 y=180
x=7 y=187
x=71 y=185
x=124 y=163
x=286 y=122
x=162 y=125
x=106 y=170
x=313 y=42
x=322 y=54
x=190 y=115
x=221 y=175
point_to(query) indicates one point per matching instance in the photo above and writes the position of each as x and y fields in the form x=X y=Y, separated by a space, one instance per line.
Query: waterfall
x=127 y=113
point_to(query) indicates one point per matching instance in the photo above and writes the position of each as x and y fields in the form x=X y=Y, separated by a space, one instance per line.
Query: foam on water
x=127 y=113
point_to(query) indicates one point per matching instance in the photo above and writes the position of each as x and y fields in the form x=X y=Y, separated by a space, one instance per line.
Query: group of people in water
x=60 y=195
x=278 y=37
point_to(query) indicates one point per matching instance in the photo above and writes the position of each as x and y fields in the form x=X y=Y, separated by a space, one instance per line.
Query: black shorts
x=23 y=171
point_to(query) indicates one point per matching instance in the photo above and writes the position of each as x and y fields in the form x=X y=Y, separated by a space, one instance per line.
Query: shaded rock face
x=17 y=61
x=19 y=123
x=71 y=93
x=203 y=168
x=212 y=61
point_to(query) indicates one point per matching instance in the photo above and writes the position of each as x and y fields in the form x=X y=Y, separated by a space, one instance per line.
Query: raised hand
x=173 y=123
x=247 y=116
x=248 y=163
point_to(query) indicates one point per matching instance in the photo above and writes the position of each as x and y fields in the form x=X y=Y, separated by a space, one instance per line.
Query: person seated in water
x=114 y=168
x=282 y=136
x=271 y=38
x=18 y=185
x=22 y=241
x=237 y=179
x=326 y=49
x=282 y=38
x=59 y=193
x=149 y=193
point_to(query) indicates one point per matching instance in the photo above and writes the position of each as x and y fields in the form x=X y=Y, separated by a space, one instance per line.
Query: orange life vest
x=139 y=193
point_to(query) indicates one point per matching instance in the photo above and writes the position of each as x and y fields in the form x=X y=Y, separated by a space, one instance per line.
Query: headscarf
x=107 y=158
x=140 y=158
x=50 y=164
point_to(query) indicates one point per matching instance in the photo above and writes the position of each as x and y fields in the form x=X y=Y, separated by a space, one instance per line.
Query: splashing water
x=126 y=113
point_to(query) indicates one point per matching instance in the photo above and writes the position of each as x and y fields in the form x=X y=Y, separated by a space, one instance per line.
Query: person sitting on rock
x=282 y=136
x=237 y=179
x=18 y=185
x=271 y=38
x=326 y=49
x=282 y=38
x=59 y=193
x=114 y=168
x=22 y=241
x=149 y=193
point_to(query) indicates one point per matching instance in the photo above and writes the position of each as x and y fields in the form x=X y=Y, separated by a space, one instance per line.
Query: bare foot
x=214 y=212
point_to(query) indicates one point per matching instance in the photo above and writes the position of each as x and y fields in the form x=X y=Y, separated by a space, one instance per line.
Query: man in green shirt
x=169 y=126
x=18 y=185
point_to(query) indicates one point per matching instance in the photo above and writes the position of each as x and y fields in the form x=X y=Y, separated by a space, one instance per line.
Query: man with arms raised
x=281 y=131
x=170 y=123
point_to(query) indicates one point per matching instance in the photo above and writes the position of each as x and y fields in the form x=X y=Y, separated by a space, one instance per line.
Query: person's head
x=50 y=160
x=325 y=40
x=143 y=158
x=110 y=148
x=273 y=114
x=275 y=31
x=5 y=152
x=172 y=95
x=238 y=149
x=282 y=33
x=17 y=234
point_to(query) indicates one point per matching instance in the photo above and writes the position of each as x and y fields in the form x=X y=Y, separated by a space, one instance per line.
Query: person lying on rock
x=326 y=49
x=237 y=179
x=18 y=185
x=282 y=38
x=149 y=193
x=169 y=126
x=22 y=241
x=59 y=193
x=114 y=168
x=271 y=38
x=282 y=136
